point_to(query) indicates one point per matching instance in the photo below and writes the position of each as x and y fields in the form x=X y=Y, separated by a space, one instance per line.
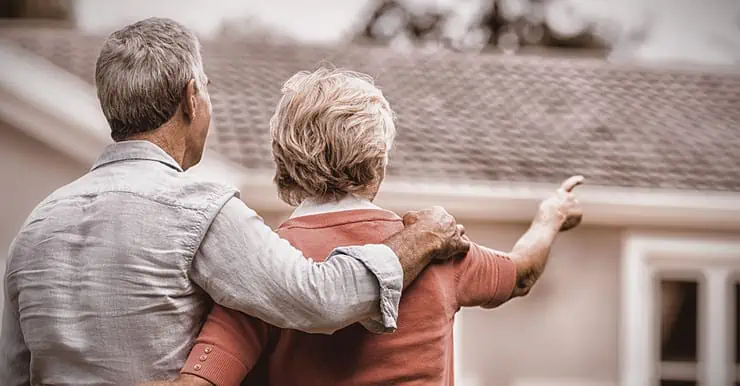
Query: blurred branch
x=476 y=25
x=680 y=31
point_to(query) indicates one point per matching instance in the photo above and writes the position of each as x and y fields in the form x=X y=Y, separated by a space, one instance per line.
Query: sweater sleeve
x=485 y=278
x=228 y=347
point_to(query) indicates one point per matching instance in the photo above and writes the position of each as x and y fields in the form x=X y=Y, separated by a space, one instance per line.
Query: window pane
x=679 y=320
x=677 y=383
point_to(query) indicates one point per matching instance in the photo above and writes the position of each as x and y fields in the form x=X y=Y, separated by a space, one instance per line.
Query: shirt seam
x=201 y=228
x=138 y=158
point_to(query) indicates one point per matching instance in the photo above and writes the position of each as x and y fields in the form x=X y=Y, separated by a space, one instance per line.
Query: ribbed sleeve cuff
x=214 y=365
x=384 y=264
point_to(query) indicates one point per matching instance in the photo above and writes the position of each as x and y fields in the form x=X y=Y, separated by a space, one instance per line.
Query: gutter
x=518 y=202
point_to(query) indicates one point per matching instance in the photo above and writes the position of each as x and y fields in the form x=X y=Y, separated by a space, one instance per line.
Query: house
x=487 y=137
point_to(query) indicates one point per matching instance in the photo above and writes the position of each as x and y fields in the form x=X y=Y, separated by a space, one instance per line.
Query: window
x=678 y=334
x=677 y=383
x=681 y=312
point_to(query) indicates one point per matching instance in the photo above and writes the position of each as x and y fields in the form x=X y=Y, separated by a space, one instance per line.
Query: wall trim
x=518 y=202
x=645 y=255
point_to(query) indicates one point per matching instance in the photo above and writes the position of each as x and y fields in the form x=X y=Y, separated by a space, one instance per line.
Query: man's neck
x=168 y=139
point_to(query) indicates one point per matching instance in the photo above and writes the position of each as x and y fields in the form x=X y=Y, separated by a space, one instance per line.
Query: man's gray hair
x=142 y=72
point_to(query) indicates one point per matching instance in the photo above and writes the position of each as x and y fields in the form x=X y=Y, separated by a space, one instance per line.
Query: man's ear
x=190 y=104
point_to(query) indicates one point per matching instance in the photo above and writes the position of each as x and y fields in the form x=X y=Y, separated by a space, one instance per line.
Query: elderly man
x=108 y=280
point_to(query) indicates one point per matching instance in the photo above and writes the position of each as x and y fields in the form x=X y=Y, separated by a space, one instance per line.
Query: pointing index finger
x=571 y=183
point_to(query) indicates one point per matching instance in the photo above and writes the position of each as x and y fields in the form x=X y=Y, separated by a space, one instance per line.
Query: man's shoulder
x=161 y=185
x=196 y=192
x=103 y=193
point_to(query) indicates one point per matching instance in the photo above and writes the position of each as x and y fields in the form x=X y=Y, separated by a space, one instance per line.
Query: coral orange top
x=233 y=347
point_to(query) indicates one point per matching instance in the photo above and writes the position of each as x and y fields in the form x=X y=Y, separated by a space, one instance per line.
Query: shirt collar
x=349 y=202
x=135 y=150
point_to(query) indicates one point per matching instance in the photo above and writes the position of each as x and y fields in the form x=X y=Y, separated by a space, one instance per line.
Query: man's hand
x=562 y=210
x=427 y=235
x=558 y=213
x=443 y=228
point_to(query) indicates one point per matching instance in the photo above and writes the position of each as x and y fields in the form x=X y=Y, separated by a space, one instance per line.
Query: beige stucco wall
x=30 y=170
x=566 y=328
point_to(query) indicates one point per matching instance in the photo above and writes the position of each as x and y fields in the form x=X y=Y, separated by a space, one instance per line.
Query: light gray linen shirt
x=108 y=280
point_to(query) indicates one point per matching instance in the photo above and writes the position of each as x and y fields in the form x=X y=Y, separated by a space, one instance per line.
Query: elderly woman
x=331 y=134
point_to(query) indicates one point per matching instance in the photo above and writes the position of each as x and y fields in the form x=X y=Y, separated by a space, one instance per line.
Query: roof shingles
x=482 y=118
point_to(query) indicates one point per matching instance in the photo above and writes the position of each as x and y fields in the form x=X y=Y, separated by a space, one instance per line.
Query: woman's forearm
x=530 y=255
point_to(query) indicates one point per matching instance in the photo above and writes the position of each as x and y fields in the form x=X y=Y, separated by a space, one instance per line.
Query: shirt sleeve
x=228 y=347
x=485 y=278
x=243 y=265
x=15 y=358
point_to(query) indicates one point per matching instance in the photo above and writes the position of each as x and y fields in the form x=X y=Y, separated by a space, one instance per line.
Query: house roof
x=481 y=118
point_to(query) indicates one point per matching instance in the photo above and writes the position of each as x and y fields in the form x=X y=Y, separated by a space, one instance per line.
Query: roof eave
x=62 y=111
x=518 y=202
x=50 y=104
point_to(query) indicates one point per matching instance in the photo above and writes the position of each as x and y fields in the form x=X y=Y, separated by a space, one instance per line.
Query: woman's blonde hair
x=331 y=134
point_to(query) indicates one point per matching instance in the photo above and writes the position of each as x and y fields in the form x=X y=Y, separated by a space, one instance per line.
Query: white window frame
x=647 y=257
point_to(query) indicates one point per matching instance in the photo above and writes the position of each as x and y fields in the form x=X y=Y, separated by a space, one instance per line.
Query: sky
x=706 y=31
x=321 y=21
